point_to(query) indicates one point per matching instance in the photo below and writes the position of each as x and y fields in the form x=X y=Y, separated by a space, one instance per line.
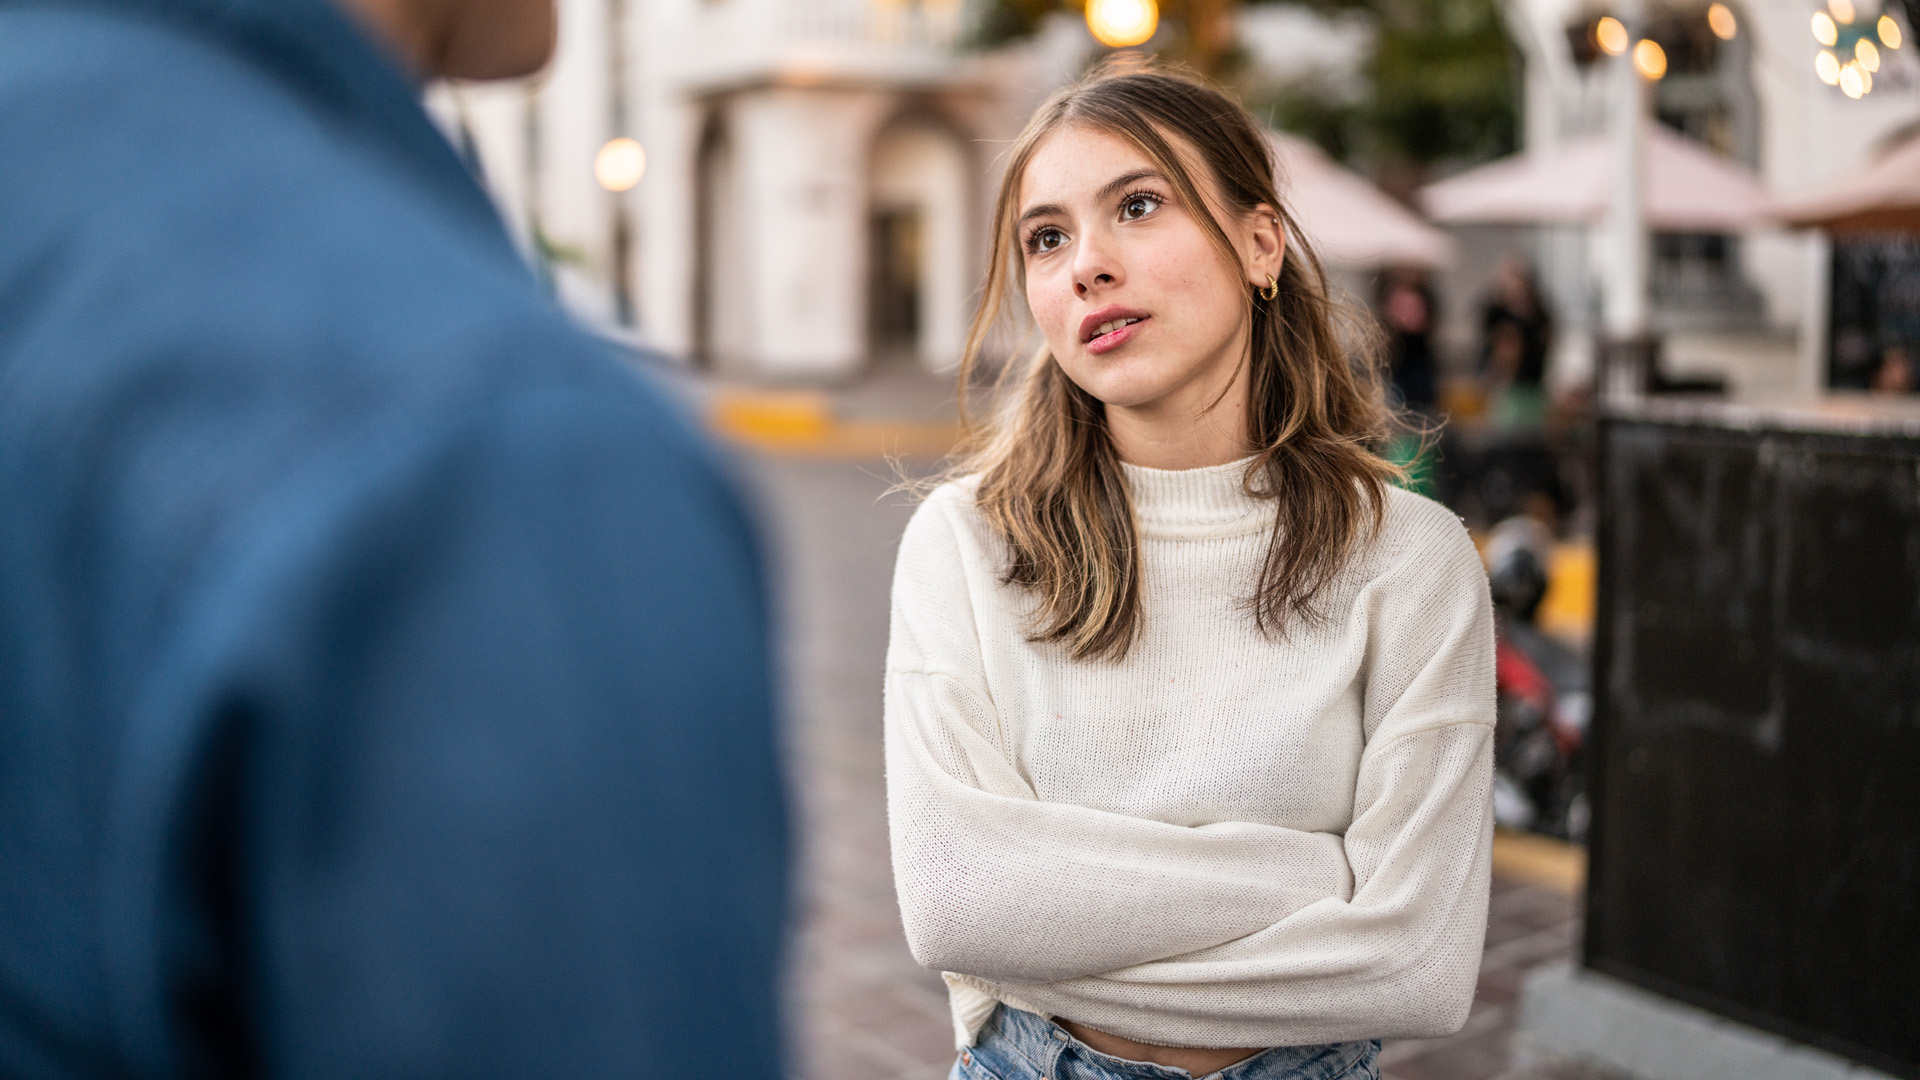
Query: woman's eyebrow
x=1043 y=210
x=1116 y=186
x=1119 y=184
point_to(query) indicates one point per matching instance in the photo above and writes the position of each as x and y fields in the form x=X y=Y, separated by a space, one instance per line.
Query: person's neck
x=1208 y=429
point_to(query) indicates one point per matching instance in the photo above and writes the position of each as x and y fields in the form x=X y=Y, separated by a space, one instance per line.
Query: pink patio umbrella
x=1883 y=196
x=1350 y=222
x=1689 y=189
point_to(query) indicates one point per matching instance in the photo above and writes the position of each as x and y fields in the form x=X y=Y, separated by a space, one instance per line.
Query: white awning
x=1350 y=222
x=1689 y=188
x=1885 y=195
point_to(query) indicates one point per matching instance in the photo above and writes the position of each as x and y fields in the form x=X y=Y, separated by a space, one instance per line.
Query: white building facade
x=819 y=173
x=817 y=183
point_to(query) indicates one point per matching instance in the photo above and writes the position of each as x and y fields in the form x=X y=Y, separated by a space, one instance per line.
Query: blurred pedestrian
x=1407 y=309
x=383 y=666
x=1189 y=711
x=1516 y=332
x=1895 y=373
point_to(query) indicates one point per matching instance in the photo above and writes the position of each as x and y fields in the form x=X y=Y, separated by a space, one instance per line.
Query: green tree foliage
x=1444 y=81
x=1002 y=21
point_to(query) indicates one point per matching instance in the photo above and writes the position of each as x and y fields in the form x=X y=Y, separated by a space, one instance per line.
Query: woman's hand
x=1197 y=1062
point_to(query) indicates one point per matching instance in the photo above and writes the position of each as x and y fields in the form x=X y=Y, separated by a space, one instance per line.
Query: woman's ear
x=1266 y=249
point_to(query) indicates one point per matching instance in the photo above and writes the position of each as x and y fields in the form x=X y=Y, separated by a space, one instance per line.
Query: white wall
x=802 y=156
x=921 y=165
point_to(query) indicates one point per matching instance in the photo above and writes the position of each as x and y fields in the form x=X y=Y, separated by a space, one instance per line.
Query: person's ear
x=1266 y=247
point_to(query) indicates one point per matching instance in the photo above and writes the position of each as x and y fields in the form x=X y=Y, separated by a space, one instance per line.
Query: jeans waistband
x=1047 y=1049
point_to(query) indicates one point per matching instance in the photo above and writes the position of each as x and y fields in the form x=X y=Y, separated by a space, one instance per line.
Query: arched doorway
x=722 y=331
x=919 y=255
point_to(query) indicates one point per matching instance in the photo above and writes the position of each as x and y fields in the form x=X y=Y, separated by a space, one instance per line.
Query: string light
x=1611 y=35
x=1867 y=56
x=1824 y=31
x=1889 y=32
x=1649 y=59
x=1721 y=21
x=1842 y=10
x=1854 y=81
x=1121 y=23
x=1827 y=66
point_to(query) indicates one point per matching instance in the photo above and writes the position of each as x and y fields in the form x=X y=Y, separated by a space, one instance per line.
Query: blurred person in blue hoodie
x=384 y=678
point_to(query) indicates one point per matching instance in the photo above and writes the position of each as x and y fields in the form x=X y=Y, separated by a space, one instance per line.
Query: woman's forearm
x=997 y=884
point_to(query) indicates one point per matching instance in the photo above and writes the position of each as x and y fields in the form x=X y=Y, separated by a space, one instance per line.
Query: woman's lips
x=1113 y=339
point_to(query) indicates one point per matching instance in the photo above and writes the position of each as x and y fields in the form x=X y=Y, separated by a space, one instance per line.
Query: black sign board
x=1756 y=766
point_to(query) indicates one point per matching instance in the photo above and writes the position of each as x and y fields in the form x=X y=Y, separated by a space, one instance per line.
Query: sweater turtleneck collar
x=1194 y=503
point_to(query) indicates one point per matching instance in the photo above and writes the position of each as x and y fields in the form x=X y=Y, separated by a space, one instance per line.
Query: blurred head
x=1895 y=373
x=1513 y=283
x=1518 y=552
x=1138 y=220
x=462 y=39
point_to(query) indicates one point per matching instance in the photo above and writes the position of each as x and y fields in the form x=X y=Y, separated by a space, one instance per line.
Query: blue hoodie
x=384 y=676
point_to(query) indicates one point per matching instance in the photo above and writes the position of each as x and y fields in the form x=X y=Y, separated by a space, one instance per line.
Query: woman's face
x=1137 y=305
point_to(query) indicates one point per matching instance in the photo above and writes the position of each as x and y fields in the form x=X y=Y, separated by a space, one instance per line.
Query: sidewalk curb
x=1573 y=1012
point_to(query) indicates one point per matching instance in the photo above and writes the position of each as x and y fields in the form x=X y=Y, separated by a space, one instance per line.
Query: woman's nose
x=1095 y=268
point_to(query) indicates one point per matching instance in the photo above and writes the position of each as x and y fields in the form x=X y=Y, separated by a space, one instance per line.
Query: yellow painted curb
x=770 y=414
x=1540 y=860
x=801 y=423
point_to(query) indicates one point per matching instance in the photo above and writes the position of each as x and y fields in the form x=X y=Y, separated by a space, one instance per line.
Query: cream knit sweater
x=1225 y=839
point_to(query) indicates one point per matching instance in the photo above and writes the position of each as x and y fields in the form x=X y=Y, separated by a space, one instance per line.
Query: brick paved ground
x=861 y=1008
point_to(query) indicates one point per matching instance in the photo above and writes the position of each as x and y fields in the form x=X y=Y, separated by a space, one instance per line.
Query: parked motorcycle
x=1543 y=694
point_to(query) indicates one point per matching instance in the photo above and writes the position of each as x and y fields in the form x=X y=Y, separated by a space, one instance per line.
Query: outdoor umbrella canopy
x=1350 y=222
x=1688 y=188
x=1885 y=196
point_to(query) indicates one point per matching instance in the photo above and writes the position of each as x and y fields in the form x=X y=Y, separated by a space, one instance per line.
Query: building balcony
x=738 y=44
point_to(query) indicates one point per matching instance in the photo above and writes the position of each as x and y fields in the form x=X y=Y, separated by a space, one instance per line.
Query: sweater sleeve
x=1399 y=955
x=997 y=884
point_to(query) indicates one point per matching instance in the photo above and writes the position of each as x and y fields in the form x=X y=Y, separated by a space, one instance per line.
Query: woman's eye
x=1138 y=206
x=1045 y=240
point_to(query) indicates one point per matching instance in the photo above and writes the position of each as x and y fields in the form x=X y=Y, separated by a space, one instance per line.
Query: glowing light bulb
x=1842 y=10
x=1611 y=34
x=1824 y=31
x=1649 y=59
x=1853 y=81
x=1827 y=66
x=1866 y=54
x=1120 y=23
x=1889 y=32
x=1721 y=21
x=620 y=164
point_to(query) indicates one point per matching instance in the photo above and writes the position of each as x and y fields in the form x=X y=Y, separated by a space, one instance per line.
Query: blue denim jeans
x=1017 y=1045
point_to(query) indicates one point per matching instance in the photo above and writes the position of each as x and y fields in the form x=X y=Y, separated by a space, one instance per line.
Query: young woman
x=1189 y=712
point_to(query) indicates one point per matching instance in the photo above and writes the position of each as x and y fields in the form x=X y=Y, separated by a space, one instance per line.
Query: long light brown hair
x=1049 y=480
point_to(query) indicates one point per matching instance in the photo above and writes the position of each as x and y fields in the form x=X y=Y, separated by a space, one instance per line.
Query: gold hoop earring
x=1272 y=289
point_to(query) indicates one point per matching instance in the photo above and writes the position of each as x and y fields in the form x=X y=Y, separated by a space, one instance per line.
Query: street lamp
x=1121 y=23
x=1611 y=34
x=620 y=164
x=1650 y=60
x=1721 y=21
